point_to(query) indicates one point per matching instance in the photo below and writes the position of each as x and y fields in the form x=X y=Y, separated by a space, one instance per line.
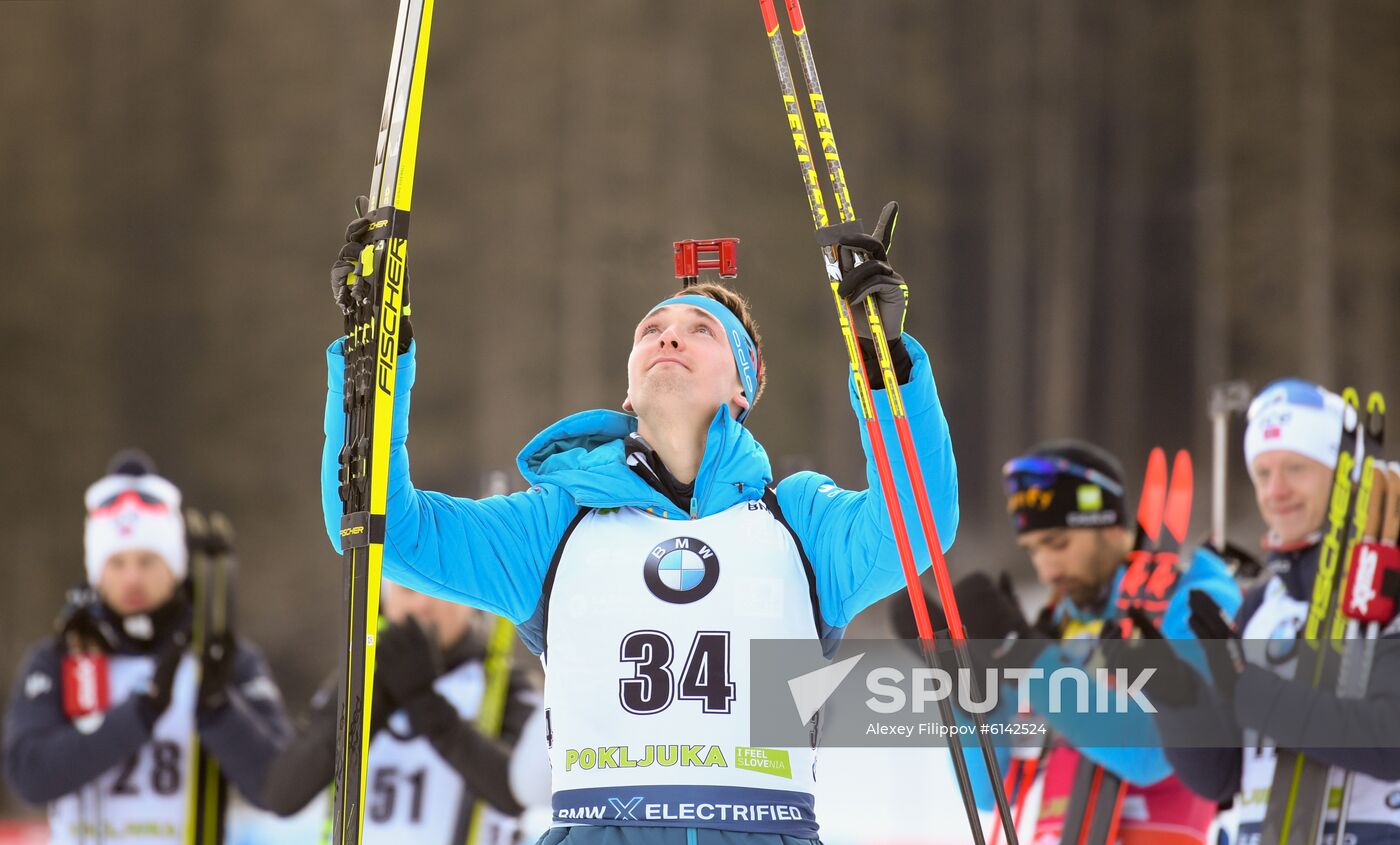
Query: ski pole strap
x=830 y=236
x=746 y=358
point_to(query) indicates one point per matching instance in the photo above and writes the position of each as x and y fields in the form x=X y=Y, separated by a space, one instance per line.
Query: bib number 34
x=654 y=686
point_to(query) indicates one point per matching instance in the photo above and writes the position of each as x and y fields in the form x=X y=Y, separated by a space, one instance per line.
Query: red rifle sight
x=692 y=256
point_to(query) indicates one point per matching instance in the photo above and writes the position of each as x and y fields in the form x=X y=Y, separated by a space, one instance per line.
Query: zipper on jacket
x=706 y=463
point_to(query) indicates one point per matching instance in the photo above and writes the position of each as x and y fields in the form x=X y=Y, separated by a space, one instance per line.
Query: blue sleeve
x=1141 y=765
x=489 y=553
x=1209 y=574
x=245 y=735
x=847 y=534
x=46 y=757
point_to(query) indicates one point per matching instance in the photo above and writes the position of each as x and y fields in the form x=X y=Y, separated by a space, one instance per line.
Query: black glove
x=155 y=698
x=1224 y=654
x=82 y=625
x=216 y=671
x=1045 y=625
x=902 y=617
x=990 y=611
x=348 y=261
x=349 y=296
x=407 y=661
x=873 y=276
x=1173 y=682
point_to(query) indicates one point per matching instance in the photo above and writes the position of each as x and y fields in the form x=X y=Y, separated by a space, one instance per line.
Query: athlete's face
x=446 y=621
x=1077 y=563
x=136 y=581
x=1292 y=491
x=681 y=361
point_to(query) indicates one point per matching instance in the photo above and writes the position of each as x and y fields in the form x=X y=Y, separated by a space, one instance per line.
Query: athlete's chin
x=1291 y=525
x=126 y=605
x=666 y=390
x=1080 y=593
x=1286 y=514
x=1290 y=534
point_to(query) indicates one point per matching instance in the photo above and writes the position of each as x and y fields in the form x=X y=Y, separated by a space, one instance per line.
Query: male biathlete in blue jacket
x=651 y=548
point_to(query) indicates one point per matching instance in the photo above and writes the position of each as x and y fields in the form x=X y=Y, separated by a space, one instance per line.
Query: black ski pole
x=210 y=542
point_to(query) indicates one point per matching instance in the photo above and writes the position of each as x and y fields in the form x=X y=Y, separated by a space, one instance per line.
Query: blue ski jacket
x=1141 y=766
x=493 y=553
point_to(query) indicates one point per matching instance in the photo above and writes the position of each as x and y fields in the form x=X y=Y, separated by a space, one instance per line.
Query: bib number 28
x=654 y=686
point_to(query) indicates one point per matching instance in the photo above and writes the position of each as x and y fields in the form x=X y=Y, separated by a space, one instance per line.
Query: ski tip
x=1157 y=460
x=195 y=526
x=1375 y=402
x=1153 y=501
x=1179 y=496
x=1351 y=409
x=221 y=531
x=1375 y=416
x=1182 y=471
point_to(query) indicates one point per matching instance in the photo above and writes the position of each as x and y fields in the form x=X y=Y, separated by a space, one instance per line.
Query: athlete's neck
x=679 y=443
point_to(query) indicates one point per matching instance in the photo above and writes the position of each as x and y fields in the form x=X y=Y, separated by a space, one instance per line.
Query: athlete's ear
x=740 y=401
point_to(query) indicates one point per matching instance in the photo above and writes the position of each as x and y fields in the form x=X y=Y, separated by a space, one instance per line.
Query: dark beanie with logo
x=1065 y=484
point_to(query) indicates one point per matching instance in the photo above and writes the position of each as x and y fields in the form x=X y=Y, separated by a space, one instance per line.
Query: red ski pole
x=831 y=258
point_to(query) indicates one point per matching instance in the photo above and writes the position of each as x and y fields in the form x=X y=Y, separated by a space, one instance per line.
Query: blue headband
x=746 y=359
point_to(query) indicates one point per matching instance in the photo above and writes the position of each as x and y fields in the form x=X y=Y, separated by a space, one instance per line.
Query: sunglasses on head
x=146 y=499
x=150 y=490
x=1041 y=471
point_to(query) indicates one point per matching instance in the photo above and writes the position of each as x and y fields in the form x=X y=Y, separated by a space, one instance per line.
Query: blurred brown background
x=1108 y=207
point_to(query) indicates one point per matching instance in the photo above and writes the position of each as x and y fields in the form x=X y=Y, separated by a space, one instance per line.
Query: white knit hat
x=1295 y=416
x=139 y=510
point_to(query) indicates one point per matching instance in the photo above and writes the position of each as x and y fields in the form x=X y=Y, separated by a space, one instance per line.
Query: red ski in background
x=1154 y=568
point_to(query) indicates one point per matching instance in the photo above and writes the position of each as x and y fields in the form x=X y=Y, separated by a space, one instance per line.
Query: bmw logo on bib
x=681 y=570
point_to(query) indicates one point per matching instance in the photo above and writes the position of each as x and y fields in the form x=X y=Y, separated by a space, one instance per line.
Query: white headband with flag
x=1295 y=416
x=126 y=512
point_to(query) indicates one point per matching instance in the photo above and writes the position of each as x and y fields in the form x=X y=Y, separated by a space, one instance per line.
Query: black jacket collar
x=644 y=461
